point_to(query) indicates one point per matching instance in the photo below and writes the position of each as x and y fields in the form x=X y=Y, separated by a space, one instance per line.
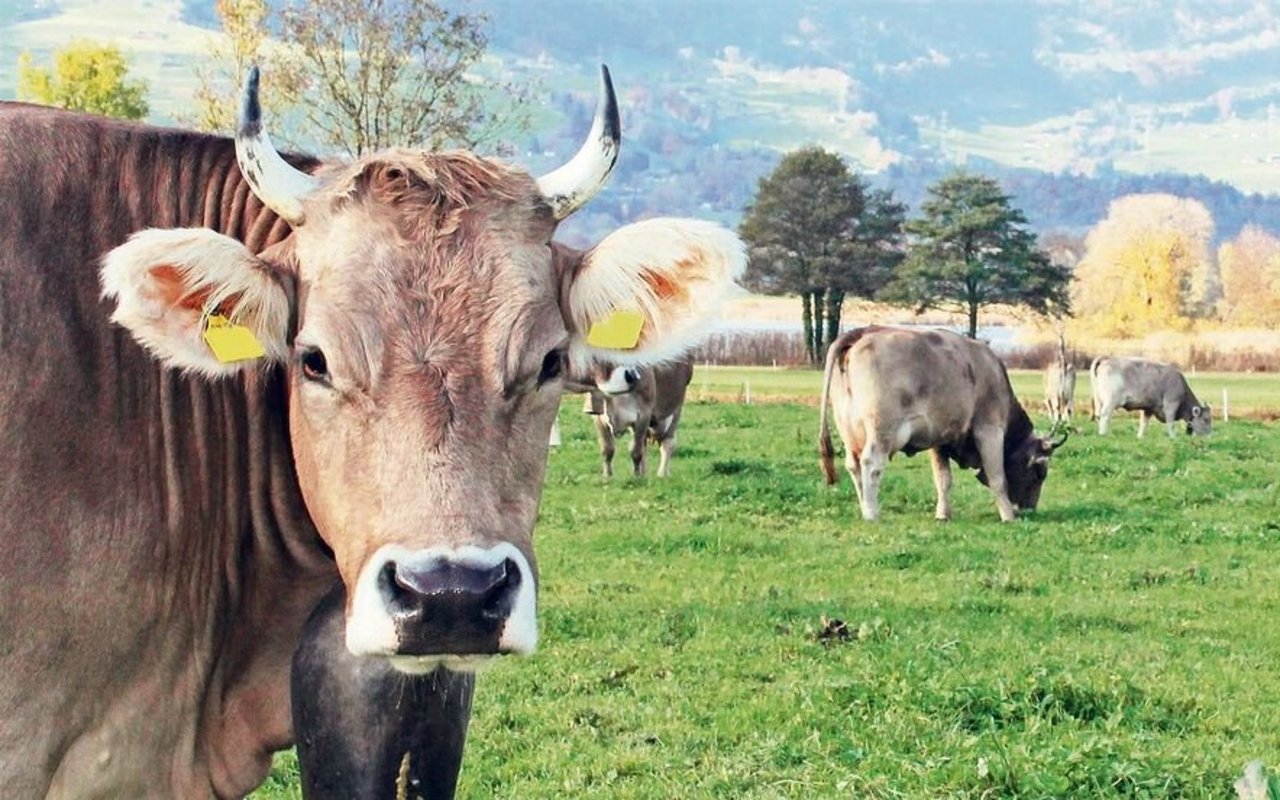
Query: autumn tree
x=1250 y=269
x=1146 y=266
x=85 y=76
x=816 y=230
x=970 y=249
x=362 y=75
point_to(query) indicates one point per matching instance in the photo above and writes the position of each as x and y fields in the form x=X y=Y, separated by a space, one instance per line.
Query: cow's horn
x=570 y=187
x=1055 y=445
x=279 y=186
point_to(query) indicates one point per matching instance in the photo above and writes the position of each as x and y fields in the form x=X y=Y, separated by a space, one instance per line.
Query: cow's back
x=118 y=473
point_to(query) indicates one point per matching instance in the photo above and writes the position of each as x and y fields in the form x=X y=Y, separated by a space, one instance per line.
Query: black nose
x=446 y=608
x=630 y=376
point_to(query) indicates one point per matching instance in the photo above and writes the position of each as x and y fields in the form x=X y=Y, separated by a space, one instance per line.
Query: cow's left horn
x=1055 y=445
x=570 y=187
x=280 y=186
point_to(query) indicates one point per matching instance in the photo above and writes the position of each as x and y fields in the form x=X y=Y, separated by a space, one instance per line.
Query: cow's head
x=1201 y=421
x=423 y=317
x=1025 y=468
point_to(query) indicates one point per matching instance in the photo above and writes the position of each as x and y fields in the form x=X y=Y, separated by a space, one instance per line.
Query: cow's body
x=170 y=519
x=1060 y=391
x=152 y=519
x=1152 y=388
x=895 y=389
x=646 y=402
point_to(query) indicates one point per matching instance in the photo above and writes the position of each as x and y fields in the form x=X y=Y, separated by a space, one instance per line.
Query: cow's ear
x=649 y=291
x=172 y=287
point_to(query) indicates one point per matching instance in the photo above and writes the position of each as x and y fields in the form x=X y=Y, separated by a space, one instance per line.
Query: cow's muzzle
x=457 y=606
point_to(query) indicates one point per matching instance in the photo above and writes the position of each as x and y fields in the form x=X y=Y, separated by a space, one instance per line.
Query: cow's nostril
x=501 y=594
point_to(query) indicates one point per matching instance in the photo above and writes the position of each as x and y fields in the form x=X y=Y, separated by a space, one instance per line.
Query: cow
x=1152 y=388
x=274 y=438
x=1060 y=387
x=648 y=402
x=897 y=389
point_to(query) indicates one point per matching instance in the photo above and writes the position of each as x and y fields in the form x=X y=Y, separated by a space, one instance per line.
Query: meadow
x=737 y=631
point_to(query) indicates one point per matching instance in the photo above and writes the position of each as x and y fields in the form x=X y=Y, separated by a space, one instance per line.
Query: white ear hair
x=676 y=272
x=166 y=282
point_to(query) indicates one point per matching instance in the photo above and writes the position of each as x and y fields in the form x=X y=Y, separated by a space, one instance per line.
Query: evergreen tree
x=970 y=250
x=817 y=231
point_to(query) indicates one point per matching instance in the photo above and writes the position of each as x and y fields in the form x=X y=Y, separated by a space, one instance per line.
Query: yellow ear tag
x=230 y=342
x=618 y=331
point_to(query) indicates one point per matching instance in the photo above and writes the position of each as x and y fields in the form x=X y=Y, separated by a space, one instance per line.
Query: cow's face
x=1025 y=469
x=423 y=317
x=1201 y=422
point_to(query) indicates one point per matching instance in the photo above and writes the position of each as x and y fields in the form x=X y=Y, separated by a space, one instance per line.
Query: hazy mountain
x=1069 y=103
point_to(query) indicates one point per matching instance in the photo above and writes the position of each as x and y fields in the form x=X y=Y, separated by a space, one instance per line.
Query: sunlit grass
x=1118 y=642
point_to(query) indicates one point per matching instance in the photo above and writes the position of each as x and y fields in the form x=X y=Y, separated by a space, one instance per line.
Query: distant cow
x=1060 y=390
x=895 y=389
x=1152 y=388
x=647 y=401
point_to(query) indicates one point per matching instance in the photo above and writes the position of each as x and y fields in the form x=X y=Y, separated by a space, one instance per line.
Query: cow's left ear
x=648 y=291
x=171 y=286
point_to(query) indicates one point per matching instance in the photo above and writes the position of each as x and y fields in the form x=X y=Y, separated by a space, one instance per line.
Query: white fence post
x=555 y=434
x=746 y=392
x=1226 y=406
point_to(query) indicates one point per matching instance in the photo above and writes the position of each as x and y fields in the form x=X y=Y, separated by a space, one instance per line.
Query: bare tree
x=374 y=73
x=361 y=75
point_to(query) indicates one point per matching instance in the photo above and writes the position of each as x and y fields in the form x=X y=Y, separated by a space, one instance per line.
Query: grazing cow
x=895 y=389
x=648 y=402
x=1060 y=387
x=1152 y=388
x=313 y=440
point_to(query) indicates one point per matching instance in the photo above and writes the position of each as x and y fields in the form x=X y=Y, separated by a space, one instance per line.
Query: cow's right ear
x=168 y=283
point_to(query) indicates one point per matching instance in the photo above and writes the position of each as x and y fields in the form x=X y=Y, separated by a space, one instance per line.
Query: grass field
x=1119 y=642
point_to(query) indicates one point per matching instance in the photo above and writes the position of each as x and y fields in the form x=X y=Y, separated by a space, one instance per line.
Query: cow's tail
x=827 y=453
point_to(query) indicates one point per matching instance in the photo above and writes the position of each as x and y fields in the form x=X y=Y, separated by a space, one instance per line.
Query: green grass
x=1119 y=642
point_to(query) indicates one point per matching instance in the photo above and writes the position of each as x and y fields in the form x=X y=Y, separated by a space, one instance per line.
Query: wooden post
x=1226 y=406
x=555 y=434
x=746 y=392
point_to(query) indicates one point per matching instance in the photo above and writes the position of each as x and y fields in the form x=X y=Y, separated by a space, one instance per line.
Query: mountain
x=1069 y=102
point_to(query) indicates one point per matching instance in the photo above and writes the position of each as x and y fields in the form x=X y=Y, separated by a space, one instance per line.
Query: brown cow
x=170 y=516
x=895 y=389
x=648 y=402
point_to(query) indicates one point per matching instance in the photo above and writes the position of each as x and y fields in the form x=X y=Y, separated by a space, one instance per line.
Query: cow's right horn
x=280 y=186
x=569 y=187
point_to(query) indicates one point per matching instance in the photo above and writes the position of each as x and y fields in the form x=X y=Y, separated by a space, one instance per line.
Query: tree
x=85 y=77
x=816 y=230
x=1250 y=268
x=363 y=75
x=1147 y=266
x=244 y=43
x=970 y=250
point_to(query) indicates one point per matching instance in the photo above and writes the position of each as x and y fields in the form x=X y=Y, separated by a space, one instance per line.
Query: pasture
x=738 y=632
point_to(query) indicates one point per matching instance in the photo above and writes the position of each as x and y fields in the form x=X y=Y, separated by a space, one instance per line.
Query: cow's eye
x=314 y=366
x=552 y=366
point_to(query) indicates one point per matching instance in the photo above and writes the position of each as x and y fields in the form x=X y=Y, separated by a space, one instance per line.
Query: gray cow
x=1060 y=390
x=1152 y=388
x=647 y=401
x=894 y=389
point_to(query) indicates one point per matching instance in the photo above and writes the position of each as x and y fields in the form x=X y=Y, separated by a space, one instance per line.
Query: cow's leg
x=854 y=465
x=1143 y=417
x=668 y=447
x=1104 y=412
x=942 y=484
x=640 y=449
x=1171 y=419
x=604 y=434
x=991 y=451
x=875 y=456
x=365 y=730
